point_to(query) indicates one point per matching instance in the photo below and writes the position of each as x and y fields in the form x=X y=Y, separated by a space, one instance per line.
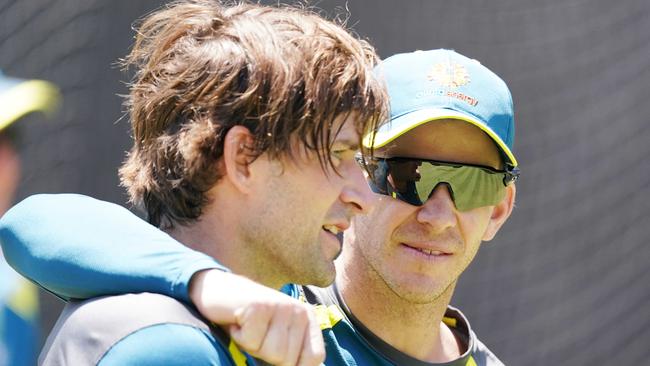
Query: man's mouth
x=428 y=251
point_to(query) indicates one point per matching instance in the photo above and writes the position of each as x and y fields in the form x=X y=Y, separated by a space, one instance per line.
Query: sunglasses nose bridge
x=438 y=210
x=444 y=186
x=442 y=189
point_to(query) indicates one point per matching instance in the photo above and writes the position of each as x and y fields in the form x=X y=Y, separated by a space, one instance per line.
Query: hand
x=265 y=323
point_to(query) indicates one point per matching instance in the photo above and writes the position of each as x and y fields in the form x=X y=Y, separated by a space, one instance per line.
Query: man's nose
x=356 y=191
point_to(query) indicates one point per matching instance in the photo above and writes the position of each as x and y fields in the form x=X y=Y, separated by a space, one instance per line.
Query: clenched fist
x=264 y=322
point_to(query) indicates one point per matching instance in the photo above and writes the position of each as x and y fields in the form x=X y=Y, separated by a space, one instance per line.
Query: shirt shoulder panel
x=477 y=353
x=86 y=330
x=166 y=344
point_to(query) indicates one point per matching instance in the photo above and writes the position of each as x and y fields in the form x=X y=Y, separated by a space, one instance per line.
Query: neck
x=415 y=329
x=216 y=234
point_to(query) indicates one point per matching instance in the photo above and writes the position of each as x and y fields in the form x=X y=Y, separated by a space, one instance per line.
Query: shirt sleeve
x=166 y=344
x=78 y=247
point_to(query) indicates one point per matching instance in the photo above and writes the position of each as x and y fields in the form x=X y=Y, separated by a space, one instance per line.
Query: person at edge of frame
x=19 y=335
x=239 y=111
x=443 y=173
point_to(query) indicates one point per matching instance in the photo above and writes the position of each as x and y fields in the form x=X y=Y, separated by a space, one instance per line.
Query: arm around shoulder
x=79 y=247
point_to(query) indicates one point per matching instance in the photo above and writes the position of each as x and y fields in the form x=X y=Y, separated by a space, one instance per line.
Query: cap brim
x=27 y=97
x=400 y=125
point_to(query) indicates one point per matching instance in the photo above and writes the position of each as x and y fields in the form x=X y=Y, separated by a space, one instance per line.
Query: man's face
x=419 y=252
x=301 y=209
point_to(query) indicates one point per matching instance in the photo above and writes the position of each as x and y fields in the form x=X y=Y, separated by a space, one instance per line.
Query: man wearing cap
x=443 y=173
x=18 y=298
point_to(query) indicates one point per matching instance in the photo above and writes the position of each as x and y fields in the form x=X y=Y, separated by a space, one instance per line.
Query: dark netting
x=566 y=282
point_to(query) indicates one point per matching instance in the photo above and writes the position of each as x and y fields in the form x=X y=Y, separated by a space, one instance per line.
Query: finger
x=274 y=346
x=252 y=325
x=313 y=347
x=296 y=333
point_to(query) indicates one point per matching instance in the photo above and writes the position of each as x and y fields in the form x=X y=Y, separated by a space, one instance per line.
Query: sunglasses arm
x=512 y=175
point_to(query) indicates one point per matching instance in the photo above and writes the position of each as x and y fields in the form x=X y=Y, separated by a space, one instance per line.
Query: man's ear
x=237 y=157
x=501 y=212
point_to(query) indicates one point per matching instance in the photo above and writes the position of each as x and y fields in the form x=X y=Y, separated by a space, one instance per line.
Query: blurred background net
x=566 y=282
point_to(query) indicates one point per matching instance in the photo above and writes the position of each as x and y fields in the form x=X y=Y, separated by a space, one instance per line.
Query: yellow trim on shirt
x=236 y=354
x=328 y=316
x=451 y=322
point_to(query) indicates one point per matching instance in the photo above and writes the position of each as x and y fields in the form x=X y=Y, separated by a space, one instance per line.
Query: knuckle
x=261 y=307
x=300 y=313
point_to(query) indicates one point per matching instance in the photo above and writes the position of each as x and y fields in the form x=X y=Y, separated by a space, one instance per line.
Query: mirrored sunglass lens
x=470 y=187
x=403 y=177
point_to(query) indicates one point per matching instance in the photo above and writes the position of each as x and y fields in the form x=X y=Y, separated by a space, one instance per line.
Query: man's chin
x=419 y=292
x=321 y=278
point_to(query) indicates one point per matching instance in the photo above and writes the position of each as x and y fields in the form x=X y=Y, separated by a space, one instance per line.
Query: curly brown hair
x=202 y=67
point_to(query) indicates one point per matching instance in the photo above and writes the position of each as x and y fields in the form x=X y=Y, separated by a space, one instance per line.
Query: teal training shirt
x=348 y=342
x=83 y=248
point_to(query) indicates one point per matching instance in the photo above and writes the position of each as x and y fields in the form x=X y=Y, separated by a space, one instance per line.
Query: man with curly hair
x=239 y=113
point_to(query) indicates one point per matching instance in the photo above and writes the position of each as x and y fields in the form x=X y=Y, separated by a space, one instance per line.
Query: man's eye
x=337 y=155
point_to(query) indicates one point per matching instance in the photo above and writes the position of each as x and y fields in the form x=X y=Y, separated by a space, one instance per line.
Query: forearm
x=219 y=295
x=79 y=247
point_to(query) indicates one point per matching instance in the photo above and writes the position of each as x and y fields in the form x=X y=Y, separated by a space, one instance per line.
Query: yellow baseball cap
x=20 y=97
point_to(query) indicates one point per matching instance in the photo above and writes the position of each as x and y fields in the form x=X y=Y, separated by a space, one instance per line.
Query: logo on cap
x=449 y=74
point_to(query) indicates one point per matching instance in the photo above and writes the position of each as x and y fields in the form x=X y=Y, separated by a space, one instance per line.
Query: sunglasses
x=414 y=180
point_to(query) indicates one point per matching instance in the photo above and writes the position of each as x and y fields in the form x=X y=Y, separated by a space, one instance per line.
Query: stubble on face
x=379 y=238
x=283 y=233
x=295 y=202
x=379 y=254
